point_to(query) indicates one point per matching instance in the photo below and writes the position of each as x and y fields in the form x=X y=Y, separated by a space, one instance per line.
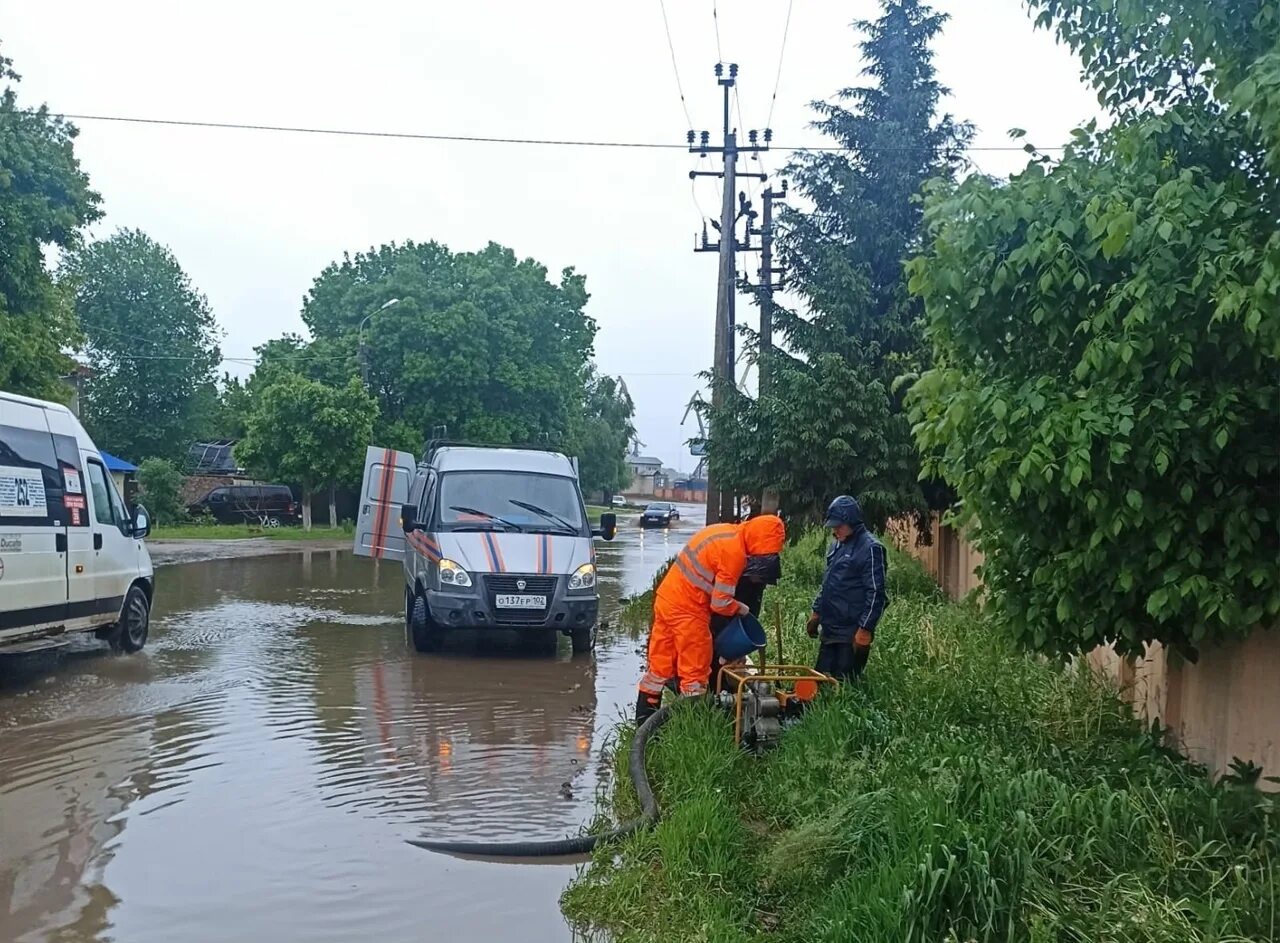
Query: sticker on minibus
x=21 y=492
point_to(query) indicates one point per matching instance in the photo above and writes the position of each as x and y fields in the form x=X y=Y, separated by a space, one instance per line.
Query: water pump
x=764 y=699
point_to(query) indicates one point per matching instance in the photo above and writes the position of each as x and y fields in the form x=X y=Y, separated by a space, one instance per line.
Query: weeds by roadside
x=964 y=792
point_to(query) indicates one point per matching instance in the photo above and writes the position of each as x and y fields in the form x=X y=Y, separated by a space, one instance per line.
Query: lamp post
x=364 y=352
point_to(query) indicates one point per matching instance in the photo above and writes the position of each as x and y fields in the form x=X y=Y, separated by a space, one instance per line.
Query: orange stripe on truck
x=384 y=501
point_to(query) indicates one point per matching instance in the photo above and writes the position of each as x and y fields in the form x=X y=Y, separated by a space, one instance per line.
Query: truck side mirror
x=608 y=526
x=141 y=522
x=409 y=518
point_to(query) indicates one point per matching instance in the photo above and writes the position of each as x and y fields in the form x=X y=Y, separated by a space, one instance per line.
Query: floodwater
x=254 y=773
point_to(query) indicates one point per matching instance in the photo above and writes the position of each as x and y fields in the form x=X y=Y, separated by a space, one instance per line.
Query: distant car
x=618 y=501
x=659 y=514
x=268 y=505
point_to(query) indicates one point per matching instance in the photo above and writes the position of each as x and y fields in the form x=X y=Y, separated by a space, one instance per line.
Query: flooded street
x=254 y=773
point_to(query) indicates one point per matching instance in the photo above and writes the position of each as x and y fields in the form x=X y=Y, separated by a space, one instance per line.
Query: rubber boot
x=646 y=706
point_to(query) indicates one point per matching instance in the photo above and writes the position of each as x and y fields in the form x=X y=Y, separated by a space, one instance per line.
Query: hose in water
x=583 y=844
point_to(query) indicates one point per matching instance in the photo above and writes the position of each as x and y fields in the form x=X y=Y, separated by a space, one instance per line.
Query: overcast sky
x=254 y=216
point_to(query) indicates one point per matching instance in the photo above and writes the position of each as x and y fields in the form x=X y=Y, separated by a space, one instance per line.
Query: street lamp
x=364 y=353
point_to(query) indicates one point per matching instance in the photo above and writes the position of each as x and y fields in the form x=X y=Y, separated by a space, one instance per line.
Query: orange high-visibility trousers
x=679 y=647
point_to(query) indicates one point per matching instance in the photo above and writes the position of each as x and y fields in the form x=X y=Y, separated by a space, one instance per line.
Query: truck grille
x=506 y=584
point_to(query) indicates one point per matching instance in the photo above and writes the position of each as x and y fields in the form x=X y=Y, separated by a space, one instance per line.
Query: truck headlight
x=584 y=577
x=453 y=575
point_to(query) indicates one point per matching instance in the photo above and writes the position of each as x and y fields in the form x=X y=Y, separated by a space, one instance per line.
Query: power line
x=715 y=16
x=347 y=132
x=674 y=68
x=483 y=139
x=786 y=28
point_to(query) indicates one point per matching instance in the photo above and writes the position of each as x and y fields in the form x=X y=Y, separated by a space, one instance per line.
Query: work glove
x=812 y=625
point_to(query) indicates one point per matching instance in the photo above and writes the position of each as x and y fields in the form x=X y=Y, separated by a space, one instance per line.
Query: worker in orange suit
x=701 y=583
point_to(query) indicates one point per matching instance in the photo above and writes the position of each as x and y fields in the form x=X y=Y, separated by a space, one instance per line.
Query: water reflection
x=254 y=773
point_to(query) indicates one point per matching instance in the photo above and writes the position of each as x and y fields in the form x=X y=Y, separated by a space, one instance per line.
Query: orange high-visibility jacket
x=704 y=575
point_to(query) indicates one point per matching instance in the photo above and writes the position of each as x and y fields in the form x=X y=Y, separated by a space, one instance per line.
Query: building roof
x=211 y=458
x=644 y=460
x=117 y=464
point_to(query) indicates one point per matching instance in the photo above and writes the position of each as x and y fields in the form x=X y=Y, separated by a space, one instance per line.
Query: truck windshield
x=536 y=504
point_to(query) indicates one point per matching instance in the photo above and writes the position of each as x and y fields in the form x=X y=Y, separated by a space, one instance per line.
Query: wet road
x=253 y=774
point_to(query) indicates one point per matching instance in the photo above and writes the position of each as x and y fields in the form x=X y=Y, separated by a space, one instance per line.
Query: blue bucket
x=740 y=638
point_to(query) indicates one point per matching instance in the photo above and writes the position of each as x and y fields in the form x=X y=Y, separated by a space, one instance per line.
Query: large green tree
x=1106 y=398
x=151 y=342
x=600 y=439
x=481 y=343
x=45 y=200
x=831 y=420
x=306 y=433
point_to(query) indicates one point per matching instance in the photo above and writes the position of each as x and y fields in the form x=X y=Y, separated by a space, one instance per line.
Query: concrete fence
x=1225 y=706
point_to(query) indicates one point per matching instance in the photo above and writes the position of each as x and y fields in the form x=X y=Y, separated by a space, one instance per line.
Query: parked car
x=490 y=537
x=659 y=514
x=618 y=501
x=72 y=558
x=268 y=505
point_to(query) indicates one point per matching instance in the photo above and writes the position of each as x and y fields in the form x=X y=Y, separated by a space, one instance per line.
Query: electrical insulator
x=768 y=135
x=691 y=137
x=719 y=69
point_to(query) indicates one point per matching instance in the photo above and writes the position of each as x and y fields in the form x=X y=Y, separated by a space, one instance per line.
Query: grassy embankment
x=965 y=792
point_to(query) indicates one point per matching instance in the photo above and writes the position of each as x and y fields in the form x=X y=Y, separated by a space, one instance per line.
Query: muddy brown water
x=253 y=774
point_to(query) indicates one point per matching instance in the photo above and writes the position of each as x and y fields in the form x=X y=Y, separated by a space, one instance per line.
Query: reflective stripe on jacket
x=704 y=575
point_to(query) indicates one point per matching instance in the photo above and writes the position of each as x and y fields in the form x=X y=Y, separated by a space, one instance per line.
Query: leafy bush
x=1106 y=400
x=161 y=486
x=964 y=792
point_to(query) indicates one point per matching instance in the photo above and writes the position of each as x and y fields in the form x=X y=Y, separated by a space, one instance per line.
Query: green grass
x=245 y=531
x=964 y=792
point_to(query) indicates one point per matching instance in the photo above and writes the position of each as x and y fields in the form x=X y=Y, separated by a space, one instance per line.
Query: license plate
x=521 y=602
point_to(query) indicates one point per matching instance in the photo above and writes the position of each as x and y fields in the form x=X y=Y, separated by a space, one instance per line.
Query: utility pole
x=771 y=279
x=720 y=506
x=768 y=273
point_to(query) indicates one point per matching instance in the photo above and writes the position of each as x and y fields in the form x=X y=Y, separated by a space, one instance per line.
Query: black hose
x=583 y=844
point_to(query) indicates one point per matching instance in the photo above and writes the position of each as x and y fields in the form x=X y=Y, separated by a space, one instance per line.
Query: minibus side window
x=101 y=494
x=30 y=483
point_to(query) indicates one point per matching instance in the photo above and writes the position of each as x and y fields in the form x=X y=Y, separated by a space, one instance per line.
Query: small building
x=211 y=465
x=124 y=473
x=644 y=470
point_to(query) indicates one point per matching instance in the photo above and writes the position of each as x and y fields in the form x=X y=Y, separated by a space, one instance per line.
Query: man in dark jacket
x=853 y=594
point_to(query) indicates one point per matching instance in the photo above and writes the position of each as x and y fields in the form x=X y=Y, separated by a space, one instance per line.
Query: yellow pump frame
x=775 y=675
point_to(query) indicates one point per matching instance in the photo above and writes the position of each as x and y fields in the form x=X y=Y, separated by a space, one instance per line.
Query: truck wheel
x=130 y=633
x=583 y=638
x=423 y=633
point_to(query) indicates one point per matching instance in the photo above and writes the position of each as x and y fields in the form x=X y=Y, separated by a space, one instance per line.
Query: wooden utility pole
x=720 y=504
